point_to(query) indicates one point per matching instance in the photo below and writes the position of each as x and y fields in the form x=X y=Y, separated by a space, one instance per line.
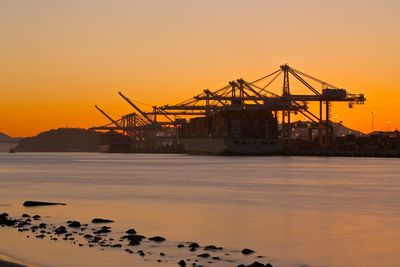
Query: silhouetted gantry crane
x=254 y=95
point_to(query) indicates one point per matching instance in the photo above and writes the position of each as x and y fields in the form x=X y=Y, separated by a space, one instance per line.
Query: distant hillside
x=60 y=140
x=4 y=138
x=340 y=129
x=343 y=130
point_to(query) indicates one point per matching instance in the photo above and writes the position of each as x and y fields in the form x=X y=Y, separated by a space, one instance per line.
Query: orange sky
x=59 y=58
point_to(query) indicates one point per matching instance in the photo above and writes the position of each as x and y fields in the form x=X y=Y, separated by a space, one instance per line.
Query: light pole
x=388 y=125
x=372 y=120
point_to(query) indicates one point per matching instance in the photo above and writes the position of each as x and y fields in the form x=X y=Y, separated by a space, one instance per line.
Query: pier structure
x=286 y=93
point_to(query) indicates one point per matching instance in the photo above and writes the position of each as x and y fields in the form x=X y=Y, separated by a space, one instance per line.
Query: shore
x=6 y=261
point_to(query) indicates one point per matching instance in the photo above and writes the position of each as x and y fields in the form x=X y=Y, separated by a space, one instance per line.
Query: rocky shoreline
x=99 y=233
x=4 y=263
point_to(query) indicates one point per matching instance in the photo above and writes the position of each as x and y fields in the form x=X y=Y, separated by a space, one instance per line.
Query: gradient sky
x=59 y=58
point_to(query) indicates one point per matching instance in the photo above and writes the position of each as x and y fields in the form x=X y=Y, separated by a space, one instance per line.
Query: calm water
x=296 y=211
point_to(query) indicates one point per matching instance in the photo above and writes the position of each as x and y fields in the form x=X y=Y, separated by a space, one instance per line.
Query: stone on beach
x=182 y=263
x=74 y=224
x=204 y=255
x=212 y=248
x=100 y=239
x=60 y=230
x=131 y=231
x=103 y=230
x=134 y=240
x=30 y=203
x=157 y=239
x=247 y=251
x=256 y=264
x=100 y=220
x=193 y=245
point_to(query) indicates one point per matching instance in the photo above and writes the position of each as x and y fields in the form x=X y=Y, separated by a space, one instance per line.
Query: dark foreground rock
x=4 y=263
x=256 y=264
x=134 y=240
x=30 y=203
x=157 y=239
x=131 y=231
x=182 y=263
x=74 y=233
x=74 y=224
x=100 y=220
x=247 y=251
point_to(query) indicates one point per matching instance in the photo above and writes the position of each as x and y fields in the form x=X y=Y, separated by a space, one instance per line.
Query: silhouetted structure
x=240 y=118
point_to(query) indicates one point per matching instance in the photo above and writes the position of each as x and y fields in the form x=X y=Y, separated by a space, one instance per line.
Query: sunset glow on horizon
x=60 y=58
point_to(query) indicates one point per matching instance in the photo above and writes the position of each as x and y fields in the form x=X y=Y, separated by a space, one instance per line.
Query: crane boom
x=136 y=107
x=113 y=121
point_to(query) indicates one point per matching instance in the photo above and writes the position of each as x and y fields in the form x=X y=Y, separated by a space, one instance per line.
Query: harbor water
x=294 y=211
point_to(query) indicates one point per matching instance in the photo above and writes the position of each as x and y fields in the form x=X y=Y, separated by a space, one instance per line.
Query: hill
x=4 y=138
x=60 y=140
x=340 y=129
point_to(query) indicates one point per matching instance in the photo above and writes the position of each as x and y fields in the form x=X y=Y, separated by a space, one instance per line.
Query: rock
x=193 y=245
x=99 y=220
x=36 y=217
x=40 y=236
x=74 y=224
x=216 y=258
x=212 y=247
x=42 y=226
x=141 y=253
x=103 y=230
x=25 y=215
x=247 y=251
x=88 y=236
x=162 y=254
x=157 y=239
x=131 y=231
x=134 y=240
x=182 y=263
x=181 y=246
x=60 y=230
x=256 y=264
x=116 y=246
x=204 y=255
x=30 y=203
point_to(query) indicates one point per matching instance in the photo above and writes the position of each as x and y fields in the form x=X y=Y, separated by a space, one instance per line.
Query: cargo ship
x=240 y=132
x=114 y=142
